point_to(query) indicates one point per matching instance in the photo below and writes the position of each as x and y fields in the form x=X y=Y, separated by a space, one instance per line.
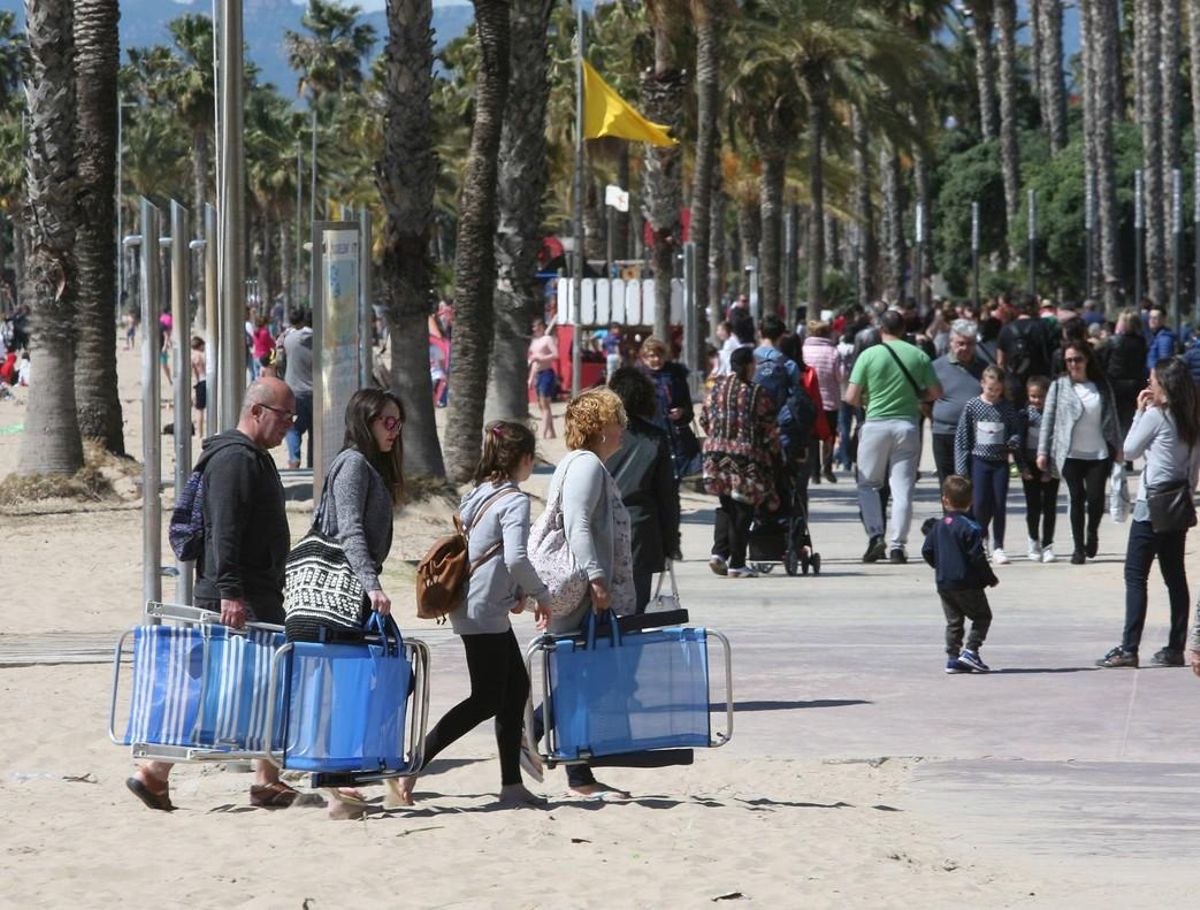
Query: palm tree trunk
x=716 y=256
x=770 y=265
x=1193 y=10
x=1035 y=57
x=663 y=98
x=522 y=184
x=97 y=403
x=708 y=104
x=1054 y=95
x=1010 y=156
x=923 y=290
x=816 y=178
x=985 y=67
x=1171 y=26
x=1106 y=36
x=864 y=214
x=51 y=443
x=475 y=253
x=262 y=267
x=407 y=173
x=594 y=243
x=1150 y=84
x=892 y=223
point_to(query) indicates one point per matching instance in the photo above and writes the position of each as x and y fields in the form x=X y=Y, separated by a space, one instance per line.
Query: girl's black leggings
x=499 y=689
x=1041 y=509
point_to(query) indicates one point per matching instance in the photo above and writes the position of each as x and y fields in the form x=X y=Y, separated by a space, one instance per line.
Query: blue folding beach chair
x=348 y=718
x=200 y=688
x=630 y=687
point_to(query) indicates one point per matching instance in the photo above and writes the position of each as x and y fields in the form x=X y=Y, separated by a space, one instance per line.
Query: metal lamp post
x=975 y=254
x=1139 y=224
x=1176 y=243
x=1089 y=220
x=1032 y=244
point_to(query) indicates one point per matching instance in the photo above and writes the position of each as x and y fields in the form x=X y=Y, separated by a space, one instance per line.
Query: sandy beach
x=859 y=775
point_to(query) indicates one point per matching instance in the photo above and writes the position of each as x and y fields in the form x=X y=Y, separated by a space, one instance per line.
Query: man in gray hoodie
x=246 y=542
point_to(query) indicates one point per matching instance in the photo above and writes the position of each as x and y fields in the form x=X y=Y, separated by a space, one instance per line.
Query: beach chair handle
x=722 y=738
x=118 y=652
x=156 y=612
x=591 y=626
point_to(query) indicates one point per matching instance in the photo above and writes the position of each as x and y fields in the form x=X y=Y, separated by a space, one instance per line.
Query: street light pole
x=1139 y=223
x=1089 y=220
x=1177 y=244
x=1032 y=244
x=231 y=202
x=975 y=255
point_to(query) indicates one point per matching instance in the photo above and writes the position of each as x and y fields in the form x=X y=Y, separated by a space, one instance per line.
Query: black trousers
x=1041 y=509
x=641 y=589
x=1085 y=479
x=960 y=606
x=943 y=455
x=499 y=689
x=1144 y=545
x=732 y=530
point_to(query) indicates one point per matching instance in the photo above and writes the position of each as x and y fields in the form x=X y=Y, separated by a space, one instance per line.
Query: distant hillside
x=144 y=22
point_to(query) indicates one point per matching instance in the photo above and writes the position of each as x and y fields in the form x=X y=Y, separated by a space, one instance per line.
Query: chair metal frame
x=547 y=643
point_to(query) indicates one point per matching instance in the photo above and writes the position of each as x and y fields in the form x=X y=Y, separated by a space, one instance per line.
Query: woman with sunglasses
x=1079 y=438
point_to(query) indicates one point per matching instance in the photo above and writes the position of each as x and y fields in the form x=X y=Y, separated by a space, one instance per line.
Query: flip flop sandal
x=160 y=801
x=277 y=795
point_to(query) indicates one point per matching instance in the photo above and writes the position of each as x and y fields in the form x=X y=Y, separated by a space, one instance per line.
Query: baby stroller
x=782 y=536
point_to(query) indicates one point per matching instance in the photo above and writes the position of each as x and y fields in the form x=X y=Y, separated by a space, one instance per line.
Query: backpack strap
x=499 y=544
x=903 y=369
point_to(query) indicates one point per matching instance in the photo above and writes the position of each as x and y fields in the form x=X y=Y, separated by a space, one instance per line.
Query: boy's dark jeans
x=1144 y=545
x=960 y=606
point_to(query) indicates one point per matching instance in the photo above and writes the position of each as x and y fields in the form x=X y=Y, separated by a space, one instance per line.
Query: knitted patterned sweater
x=988 y=431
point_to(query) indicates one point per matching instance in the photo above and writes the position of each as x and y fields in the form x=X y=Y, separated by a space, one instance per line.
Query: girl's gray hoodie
x=497 y=585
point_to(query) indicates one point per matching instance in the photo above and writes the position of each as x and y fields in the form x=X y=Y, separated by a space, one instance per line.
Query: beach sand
x=836 y=807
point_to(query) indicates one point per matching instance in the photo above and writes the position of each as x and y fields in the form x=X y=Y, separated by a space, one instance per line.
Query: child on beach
x=1041 y=487
x=988 y=430
x=954 y=547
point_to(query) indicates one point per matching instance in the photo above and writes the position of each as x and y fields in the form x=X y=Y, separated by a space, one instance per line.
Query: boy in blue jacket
x=954 y=547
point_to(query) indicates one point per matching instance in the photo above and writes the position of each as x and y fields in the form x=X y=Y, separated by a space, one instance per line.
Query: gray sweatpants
x=888 y=450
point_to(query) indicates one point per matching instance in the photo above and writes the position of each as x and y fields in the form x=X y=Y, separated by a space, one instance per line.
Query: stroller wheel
x=789 y=562
x=804 y=563
x=816 y=563
x=764 y=568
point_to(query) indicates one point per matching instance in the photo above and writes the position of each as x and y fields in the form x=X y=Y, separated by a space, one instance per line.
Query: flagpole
x=577 y=270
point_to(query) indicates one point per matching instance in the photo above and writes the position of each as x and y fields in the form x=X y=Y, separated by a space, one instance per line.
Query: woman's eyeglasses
x=391 y=424
x=1075 y=359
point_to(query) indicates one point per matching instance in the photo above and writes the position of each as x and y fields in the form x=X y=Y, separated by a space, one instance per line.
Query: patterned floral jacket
x=742 y=447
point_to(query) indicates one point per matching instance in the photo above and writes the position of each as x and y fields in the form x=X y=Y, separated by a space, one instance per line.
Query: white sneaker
x=999 y=557
x=1048 y=554
x=1035 y=551
x=745 y=572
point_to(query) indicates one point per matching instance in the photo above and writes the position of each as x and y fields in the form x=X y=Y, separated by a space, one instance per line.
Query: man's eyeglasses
x=289 y=416
x=391 y=423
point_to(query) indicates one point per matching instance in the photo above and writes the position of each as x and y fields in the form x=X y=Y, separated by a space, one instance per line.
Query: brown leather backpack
x=443 y=571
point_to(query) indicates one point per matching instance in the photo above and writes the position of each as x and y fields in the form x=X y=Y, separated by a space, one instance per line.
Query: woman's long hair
x=1175 y=380
x=365 y=407
x=1084 y=349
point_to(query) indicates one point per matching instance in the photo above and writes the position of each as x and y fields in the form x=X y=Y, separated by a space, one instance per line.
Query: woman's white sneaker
x=1035 y=551
x=999 y=557
x=1048 y=554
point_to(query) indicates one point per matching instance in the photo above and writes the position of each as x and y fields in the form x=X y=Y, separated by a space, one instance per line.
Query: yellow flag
x=605 y=113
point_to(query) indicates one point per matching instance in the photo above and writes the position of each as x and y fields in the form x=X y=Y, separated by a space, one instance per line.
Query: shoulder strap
x=319 y=513
x=903 y=369
x=499 y=544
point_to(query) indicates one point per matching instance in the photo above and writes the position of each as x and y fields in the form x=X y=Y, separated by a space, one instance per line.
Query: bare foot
x=601 y=791
x=515 y=796
x=399 y=792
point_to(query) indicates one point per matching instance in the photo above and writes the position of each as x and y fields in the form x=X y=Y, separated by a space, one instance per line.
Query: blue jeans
x=989 y=496
x=302 y=425
x=1144 y=545
x=845 y=417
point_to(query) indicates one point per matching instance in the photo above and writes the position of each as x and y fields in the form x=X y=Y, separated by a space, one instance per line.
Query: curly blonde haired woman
x=597 y=528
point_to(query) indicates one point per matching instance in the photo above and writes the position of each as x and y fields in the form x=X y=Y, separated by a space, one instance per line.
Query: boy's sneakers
x=1048 y=553
x=1118 y=657
x=743 y=572
x=1035 y=551
x=971 y=659
x=999 y=557
x=954 y=665
x=718 y=565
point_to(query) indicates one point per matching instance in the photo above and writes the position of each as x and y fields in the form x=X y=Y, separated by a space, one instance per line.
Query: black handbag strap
x=903 y=369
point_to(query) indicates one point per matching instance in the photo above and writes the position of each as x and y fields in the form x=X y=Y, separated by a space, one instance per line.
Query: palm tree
x=191 y=89
x=985 y=66
x=1170 y=31
x=1010 y=155
x=475 y=254
x=407 y=173
x=707 y=15
x=1102 y=95
x=895 y=249
x=864 y=216
x=1049 y=28
x=1150 y=85
x=522 y=184
x=52 y=444
x=97 y=63
x=662 y=96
